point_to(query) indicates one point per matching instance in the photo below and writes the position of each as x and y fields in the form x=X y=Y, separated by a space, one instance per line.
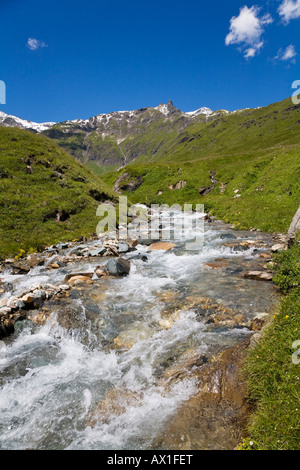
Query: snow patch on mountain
x=8 y=120
x=205 y=111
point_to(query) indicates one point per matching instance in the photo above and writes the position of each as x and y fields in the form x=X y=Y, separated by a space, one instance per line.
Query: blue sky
x=73 y=59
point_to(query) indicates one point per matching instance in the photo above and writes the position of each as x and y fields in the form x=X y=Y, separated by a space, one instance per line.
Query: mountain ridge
x=39 y=127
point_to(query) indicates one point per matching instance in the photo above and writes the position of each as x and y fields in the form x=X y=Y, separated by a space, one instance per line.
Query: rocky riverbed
x=131 y=344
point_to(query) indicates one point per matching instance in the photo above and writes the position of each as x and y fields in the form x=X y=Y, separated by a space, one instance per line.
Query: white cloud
x=289 y=10
x=247 y=29
x=253 y=50
x=35 y=44
x=288 y=54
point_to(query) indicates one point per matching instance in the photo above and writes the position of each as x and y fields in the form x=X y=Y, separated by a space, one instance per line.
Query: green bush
x=287 y=265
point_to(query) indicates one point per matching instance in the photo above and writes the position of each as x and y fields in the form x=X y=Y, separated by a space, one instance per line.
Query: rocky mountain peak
x=168 y=108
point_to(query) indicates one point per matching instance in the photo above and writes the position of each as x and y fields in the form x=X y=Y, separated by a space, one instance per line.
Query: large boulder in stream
x=118 y=266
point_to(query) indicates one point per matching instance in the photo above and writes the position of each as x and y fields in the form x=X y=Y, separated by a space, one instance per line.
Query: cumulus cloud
x=289 y=10
x=288 y=54
x=247 y=29
x=34 y=44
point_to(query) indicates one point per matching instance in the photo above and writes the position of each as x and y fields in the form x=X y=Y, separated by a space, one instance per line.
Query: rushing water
x=93 y=376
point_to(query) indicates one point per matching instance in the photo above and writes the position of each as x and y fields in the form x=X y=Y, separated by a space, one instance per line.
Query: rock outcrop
x=295 y=225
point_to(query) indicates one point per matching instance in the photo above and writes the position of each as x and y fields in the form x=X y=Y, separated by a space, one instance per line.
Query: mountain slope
x=112 y=140
x=244 y=166
x=45 y=194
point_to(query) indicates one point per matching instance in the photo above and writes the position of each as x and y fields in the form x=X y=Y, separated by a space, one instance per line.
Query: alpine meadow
x=150 y=253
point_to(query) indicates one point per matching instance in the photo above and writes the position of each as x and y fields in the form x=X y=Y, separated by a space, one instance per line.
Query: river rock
x=3 y=302
x=278 y=247
x=6 y=328
x=98 y=252
x=166 y=246
x=225 y=236
x=214 y=313
x=258 y=276
x=138 y=257
x=39 y=295
x=189 y=361
x=168 y=296
x=101 y=271
x=115 y=403
x=128 y=338
x=64 y=287
x=123 y=247
x=111 y=250
x=70 y=276
x=28 y=298
x=5 y=311
x=51 y=250
x=35 y=259
x=118 y=267
x=241 y=247
x=257 y=324
x=265 y=256
x=21 y=268
x=133 y=242
x=12 y=302
x=25 y=265
x=62 y=246
x=147 y=241
x=167 y=322
x=75 y=280
x=217 y=264
x=55 y=266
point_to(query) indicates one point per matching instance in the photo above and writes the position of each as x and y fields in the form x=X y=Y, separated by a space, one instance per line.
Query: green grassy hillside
x=45 y=194
x=252 y=130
